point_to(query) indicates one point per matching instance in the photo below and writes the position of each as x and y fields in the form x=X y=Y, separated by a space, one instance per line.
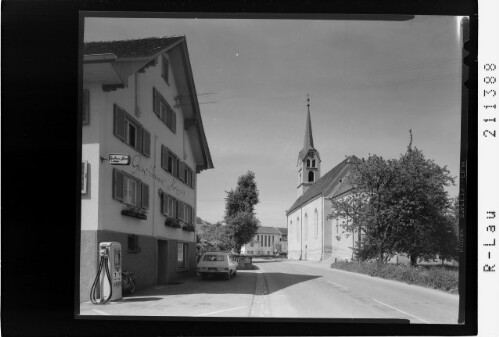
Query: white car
x=217 y=263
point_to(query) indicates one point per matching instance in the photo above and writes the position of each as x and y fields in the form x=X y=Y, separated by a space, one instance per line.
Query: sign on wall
x=119 y=159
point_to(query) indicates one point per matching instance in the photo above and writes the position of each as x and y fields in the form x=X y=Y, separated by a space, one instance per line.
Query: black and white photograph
x=272 y=168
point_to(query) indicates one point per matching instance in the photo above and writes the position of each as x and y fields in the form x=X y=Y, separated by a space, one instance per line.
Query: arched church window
x=316 y=221
x=297 y=229
x=310 y=176
x=305 y=229
x=308 y=162
x=313 y=163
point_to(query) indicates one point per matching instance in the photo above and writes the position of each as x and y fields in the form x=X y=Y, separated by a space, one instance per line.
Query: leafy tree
x=399 y=206
x=242 y=224
x=368 y=205
x=243 y=198
x=420 y=204
x=214 y=237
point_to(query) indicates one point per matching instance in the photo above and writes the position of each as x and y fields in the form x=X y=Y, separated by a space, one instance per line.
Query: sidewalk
x=193 y=297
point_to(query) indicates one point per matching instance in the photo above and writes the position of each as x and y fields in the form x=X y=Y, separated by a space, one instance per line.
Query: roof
x=324 y=186
x=132 y=48
x=268 y=230
x=144 y=50
x=284 y=231
x=308 y=143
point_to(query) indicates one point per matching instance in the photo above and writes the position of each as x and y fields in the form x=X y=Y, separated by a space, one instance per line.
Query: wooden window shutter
x=164 y=157
x=180 y=210
x=138 y=193
x=175 y=166
x=119 y=123
x=175 y=208
x=155 y=102
x=174 y=122
x=86 y=107
x=138 y=141
x=145 y=196
x=146 y=143
x=117 y=185
x=164 y=203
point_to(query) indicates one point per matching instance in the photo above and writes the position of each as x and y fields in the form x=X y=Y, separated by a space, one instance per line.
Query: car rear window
x=214 y=258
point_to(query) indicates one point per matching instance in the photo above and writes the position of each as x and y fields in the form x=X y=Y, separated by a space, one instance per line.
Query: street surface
x=289 y=289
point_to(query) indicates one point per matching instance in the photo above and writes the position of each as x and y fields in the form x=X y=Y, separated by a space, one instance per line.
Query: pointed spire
x=309 y=140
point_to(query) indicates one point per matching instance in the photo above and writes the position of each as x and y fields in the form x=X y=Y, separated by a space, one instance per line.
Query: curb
x=260 y=307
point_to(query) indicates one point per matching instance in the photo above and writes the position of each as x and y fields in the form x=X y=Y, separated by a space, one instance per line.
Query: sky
x=369 y=82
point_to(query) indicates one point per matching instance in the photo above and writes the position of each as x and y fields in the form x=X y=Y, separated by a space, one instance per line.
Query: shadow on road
x=243 y=283
x=140 y=299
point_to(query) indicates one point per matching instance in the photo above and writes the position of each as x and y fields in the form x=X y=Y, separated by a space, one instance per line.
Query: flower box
x=171 y=222
x=135 y=213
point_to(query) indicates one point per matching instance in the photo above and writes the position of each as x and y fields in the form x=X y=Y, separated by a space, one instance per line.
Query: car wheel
x=235 y=273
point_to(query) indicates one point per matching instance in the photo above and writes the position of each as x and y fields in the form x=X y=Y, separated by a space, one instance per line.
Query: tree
x=242 y=225
x=421 y=204
x=399 y=206
x=368 y=205
x=214 y=237
x=244 y=197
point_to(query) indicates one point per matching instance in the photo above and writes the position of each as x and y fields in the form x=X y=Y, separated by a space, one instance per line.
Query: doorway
x=162 y=262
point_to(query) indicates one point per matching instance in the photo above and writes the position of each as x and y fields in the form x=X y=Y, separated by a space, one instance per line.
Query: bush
x=436 y=277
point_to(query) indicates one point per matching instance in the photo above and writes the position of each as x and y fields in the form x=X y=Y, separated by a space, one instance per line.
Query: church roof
x=325 y=186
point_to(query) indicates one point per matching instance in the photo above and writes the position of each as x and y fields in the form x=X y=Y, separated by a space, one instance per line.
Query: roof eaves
x=199 y=124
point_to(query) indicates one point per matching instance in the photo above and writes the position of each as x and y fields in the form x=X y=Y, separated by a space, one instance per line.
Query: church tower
x=309 y=162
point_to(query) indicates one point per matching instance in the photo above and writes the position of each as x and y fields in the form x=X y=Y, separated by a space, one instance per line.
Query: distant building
x=139 y=99
x=311 y=235
x=265 y=242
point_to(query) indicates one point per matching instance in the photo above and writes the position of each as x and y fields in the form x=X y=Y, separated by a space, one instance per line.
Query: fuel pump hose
x=96 y=285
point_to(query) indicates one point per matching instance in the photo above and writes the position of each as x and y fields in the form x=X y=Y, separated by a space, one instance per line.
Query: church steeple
x=308 y=158
x=309 y=140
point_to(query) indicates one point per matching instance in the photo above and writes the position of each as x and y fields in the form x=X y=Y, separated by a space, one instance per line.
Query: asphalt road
x=305 y=289
x=288 y=289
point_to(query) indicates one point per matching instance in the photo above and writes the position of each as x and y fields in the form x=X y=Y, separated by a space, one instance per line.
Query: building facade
x=139 y=99
x=267 y=241
x=311 y=235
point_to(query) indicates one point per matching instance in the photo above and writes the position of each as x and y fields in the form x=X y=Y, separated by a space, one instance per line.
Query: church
x=311 y=235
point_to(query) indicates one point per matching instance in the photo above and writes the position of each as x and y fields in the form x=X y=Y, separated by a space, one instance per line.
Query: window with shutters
x=85 y=120
x=130 y=190
x=131 y=132
x=164 y=111
x=133 y=243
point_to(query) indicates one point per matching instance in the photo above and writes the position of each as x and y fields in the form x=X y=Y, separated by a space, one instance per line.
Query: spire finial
x=308 y=100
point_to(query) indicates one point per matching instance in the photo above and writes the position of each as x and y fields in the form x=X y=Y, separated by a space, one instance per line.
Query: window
x=164 y=111
x=181 y=255
x=313 y=163
x=252 y=244
x=165 y=69
x=133 y=244
x=308 y=162
x=305 y=229
x=311 y=176
x=131 y=132
x=130 y=190
x=85 y=120
x=214 y=258
x=169 y=205
x=297 y=229
x=84 y=177
x=316 y=220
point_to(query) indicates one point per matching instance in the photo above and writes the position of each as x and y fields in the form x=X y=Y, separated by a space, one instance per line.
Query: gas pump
x=107 y=283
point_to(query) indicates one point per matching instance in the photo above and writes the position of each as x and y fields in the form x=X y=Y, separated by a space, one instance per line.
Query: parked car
x=217 y=264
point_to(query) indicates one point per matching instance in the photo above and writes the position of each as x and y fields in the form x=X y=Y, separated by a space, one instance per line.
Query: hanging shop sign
x=119 y=159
